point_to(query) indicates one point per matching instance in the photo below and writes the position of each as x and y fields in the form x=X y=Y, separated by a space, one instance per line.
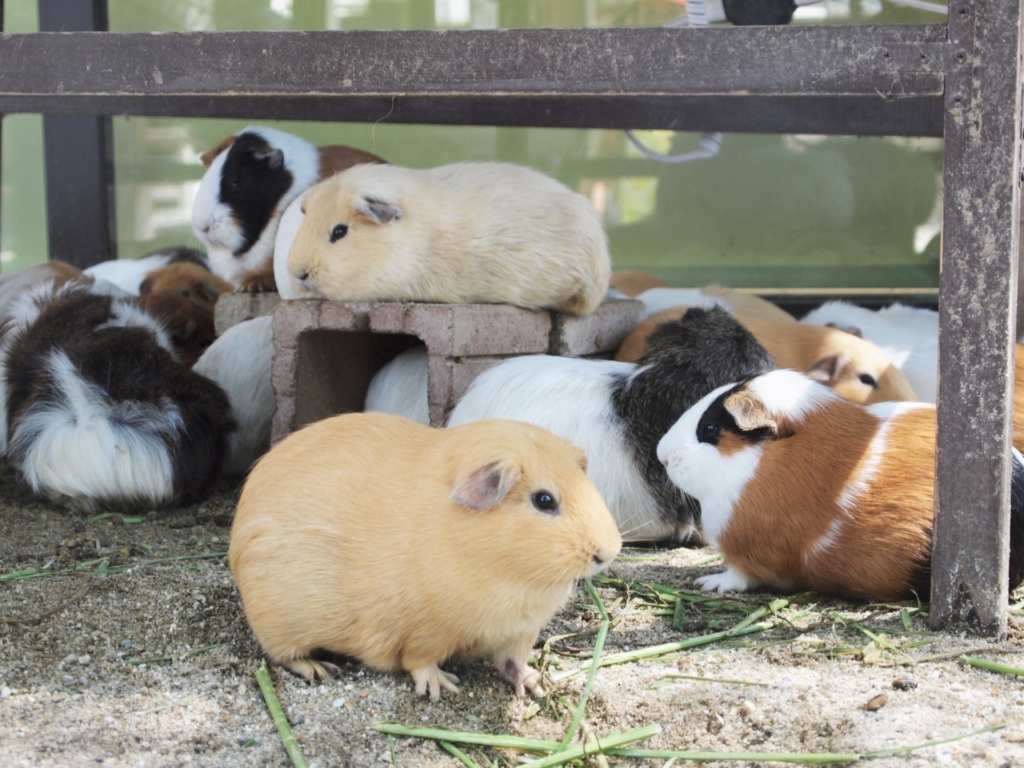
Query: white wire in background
x=710 y=143
x=698 y=14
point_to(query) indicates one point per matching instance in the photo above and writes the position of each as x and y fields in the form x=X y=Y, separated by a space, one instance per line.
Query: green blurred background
x=770 y=211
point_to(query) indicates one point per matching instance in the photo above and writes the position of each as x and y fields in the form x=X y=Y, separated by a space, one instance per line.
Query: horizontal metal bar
x=857 y=115
x=638 y=62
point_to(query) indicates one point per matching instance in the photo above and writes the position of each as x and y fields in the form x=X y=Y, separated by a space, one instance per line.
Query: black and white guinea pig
x=250 y=179
x=617 y=412
x=803 y=490
x=128 y=274
x=96 y=409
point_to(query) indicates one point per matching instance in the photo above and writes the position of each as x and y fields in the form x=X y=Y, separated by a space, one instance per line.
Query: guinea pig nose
x=665 y=462
x=598 y=560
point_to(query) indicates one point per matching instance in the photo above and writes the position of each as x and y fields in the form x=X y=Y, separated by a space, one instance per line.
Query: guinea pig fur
x=854 y=368
x=189 y=281
x=734 y=302
x=430 y=545
x=239 y=362
x=909 y=336
x=188 y=325
x=400 y=387
x=802 y=490
x=468 y=232
x=97 y=411
x=287 y=287
x=55 y=273
x=128 y=274
x=251 y=178
x=617 y=412
x=633 y=282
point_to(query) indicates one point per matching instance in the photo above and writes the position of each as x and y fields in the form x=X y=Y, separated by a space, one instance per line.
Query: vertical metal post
x=1 y=115
x=79 y=151
x=978 y=285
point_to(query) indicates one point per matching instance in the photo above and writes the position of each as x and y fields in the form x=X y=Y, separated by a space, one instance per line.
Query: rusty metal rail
x=962 y=83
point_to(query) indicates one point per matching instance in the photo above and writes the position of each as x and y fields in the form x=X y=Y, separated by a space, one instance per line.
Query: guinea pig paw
x=312 y=670
x=434 y=679
x=729 y=580
x=523 y=678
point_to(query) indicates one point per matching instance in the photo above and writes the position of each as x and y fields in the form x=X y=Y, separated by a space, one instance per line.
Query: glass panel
x=768 y=211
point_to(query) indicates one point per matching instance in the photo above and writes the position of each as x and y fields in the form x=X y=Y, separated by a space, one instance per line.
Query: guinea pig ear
x=853 y=330
x=273 y=157
x=488 y=486
x=827 y=370
x=205 y=292
x=379 y=211
x=208 y=156
x=750 y=413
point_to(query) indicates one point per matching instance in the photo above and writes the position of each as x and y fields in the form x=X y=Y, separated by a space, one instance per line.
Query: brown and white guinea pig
x=417 y=545
x=189 y=281
x=802 y=490
x=95 y=409
x=251 y=178
x=732 y=301
x=188 y=325
x=633 y=282
x=468 y=232
x=854 y=368
x=128 y=274
x=55 y=273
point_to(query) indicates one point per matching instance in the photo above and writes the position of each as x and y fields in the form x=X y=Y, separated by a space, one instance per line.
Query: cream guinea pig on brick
x=802 y=490
x=462 y=233
x=403 y=546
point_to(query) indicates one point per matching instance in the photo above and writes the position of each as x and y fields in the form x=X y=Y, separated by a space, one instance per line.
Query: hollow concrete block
x=326 y=352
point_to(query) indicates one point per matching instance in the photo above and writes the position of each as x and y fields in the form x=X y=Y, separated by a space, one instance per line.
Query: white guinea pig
x=400 y=387
x=240 y=362
x=803 y=490
x=469 y=232
x=371 y=536
x=250 y=180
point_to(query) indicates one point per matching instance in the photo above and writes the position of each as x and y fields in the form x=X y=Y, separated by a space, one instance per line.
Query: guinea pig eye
x=339 y=231
x=867 y=378
x=709 y=433
x=545 y=502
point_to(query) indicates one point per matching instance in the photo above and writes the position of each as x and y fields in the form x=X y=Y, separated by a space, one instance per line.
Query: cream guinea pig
x=415 y=545
x=802 y=490
x=462 y=233
x=854 y=368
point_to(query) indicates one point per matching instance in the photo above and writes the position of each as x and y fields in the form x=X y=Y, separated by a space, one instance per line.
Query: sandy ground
x=70 y=697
